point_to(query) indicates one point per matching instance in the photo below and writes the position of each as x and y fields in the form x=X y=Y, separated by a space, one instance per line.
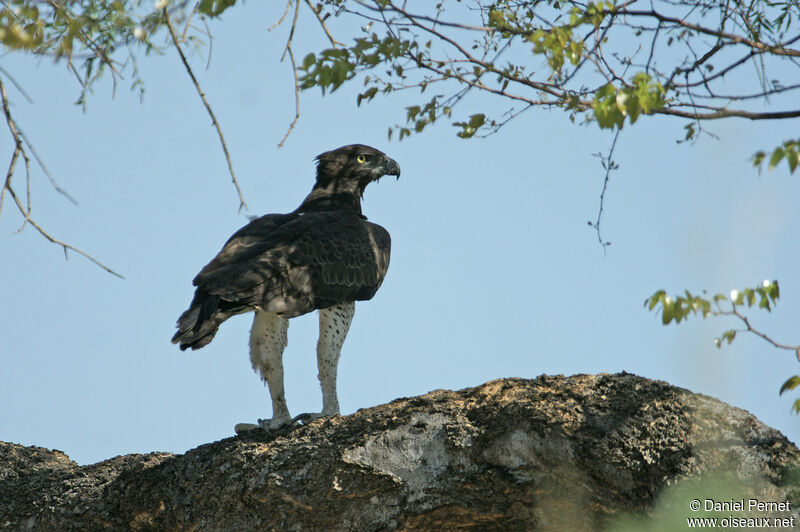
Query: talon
x=275 y=423
x=308 y=417
x=302 y=417
x=267 y=425
x=241 y=428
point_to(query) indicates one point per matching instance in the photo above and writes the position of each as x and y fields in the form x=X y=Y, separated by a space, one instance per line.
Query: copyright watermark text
x=749 y=510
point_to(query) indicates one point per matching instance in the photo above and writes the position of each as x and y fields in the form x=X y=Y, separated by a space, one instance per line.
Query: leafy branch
x=571 y=55
x=788 y=151
x=763 y=296
x=91 y=38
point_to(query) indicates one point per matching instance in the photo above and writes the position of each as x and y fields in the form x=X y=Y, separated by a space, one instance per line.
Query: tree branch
x=750 y=329
x=608 y=165
x=288 y=50
x=19 y=149
x=778 y=49
x=242 y=203
x=296 y=98
x=322 y=23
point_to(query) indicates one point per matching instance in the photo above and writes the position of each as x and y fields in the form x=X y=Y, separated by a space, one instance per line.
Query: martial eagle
x=323 y=256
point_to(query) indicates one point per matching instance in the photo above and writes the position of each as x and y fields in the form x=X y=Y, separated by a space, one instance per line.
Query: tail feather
x=198 y=325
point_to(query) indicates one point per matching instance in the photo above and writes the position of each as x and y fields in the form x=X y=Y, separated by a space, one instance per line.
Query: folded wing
x=288 y=264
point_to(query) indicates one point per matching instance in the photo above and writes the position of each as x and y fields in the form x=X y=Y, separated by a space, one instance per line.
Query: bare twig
x=19 y=149
x=16 y=84
x=608 y=165
x=45 y=170
x=748 y=328
x=27 y=192
x=58 y=242
x=721 y=112
x=210 y=42
x=296 y=99
x=242 y=203
x=280 y=20
x=322 y=23
x=779 y=49
x=10 y=173
x=18 y=131
x=187 y=24
x=288 y=50
x=291 y=30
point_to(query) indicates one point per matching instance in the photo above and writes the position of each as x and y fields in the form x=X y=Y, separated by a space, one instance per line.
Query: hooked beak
x=390 y=167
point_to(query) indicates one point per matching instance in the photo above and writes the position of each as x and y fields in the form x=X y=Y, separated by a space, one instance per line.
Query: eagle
x=322 y=256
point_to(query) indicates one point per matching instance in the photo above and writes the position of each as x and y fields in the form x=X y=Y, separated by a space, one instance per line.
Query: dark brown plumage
x=322 y=254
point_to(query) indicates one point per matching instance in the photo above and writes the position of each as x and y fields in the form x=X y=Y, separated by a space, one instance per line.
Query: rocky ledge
x=587 y=452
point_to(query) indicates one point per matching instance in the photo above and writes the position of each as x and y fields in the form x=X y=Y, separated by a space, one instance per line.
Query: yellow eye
x=361 y=159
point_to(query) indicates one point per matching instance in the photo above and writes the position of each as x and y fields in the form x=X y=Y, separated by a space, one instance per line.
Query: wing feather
x=293 y=264
x=247 y=243
x=346 y=256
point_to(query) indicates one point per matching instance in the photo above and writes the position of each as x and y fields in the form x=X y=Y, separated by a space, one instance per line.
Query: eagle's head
x=351 y=168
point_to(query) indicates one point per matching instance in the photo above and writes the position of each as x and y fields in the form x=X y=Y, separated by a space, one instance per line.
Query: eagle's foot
x=267 y=425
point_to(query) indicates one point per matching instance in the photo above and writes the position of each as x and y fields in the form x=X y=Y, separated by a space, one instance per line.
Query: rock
x=587 y=452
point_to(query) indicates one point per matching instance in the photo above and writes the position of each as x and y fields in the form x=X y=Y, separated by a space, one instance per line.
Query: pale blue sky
x=494 y=272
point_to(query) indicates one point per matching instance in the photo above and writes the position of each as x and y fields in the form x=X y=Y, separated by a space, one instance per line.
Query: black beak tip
x=392 y=168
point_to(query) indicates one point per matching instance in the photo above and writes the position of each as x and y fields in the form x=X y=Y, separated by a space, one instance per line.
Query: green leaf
x=497 y=18
x=750 y=295
x=668 y=311
x=367 y=95
x=796 y=406
x=477 y=120
x=777 y=155
x=792 y=157
x=790 y=384
x=690 y=134
x=308 y=60
x=773 y=291
x=702 y=305
x=340 y=72
x=653 y=300
x=789 y=150
x=323 y=76
x=727 y=336
x=737 y=298
x=214 y=8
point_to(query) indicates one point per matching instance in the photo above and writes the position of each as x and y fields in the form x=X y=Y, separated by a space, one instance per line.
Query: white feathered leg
x=334 y=322
x=268 y=339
